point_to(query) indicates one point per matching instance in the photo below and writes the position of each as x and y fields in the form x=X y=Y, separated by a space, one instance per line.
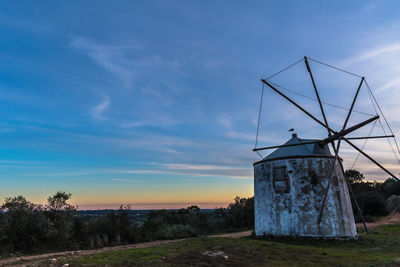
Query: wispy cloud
x=132 y=124
x=379 y=61
x=61 y=140
x=19 y=162
x=219 y=170
x=123 y=180
x=180 y=166
x=124 y=61
x=225 y=120
x=65 y=173
x=97 y=111
x=235 y=173
x=251 y=137
x=376 y=52
x=109 y=57
x=381 y=64
x=180 y=169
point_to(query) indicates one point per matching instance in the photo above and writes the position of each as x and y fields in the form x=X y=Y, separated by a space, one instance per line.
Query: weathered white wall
x=296 y=213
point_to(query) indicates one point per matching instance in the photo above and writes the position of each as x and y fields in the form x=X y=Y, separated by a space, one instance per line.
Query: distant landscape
x=27 y=228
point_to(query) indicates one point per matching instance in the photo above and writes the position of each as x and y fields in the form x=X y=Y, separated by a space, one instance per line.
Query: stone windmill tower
x=300 y=189
x=289 y=188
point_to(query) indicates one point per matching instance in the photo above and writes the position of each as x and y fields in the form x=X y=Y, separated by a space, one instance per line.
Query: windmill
x=293 y=185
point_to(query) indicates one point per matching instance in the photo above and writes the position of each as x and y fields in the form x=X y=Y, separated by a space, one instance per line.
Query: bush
x=372 y=203
x=367 y=218
x=392 y=203
x=175 y=231
x=216 y=224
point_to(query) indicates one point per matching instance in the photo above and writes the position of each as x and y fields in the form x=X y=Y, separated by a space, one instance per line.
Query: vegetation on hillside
x=374 y=198
x=26 y=227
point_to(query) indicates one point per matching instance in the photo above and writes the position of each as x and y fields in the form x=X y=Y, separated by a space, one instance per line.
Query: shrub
x=372 y=203
x=392 y=203
x=174 y=231
x=216 y=224
x=181 y=231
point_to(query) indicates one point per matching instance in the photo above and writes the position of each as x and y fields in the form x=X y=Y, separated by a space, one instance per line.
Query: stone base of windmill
x=291 y=237
x=288 y=195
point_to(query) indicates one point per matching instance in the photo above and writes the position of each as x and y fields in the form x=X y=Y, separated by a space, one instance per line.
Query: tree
x=58 y=202
x=79 y=235
x=218 y=220
x=61 y=214
x=119 y=228
x=391 y=187
x=25 y=228
x=241 y=213
x=354 y=176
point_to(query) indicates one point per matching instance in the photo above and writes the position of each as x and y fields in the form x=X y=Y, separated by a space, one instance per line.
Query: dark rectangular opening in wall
x=280 y=179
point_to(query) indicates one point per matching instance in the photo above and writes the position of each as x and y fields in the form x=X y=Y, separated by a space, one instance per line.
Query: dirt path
x=391 y=219
x=235 y=235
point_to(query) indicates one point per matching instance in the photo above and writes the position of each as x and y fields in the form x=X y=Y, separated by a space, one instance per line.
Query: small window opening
x=281 y=180
x=314 y=178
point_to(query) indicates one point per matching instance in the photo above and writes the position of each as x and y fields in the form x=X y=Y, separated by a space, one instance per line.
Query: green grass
x=381 y=247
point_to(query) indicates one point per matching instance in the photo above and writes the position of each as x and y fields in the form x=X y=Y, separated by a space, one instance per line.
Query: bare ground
x=235 y=235
x=390 y=219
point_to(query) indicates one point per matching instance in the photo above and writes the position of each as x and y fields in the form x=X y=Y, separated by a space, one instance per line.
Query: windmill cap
x=301 y=150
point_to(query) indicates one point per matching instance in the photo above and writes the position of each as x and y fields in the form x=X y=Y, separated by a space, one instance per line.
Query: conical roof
x=312 y=150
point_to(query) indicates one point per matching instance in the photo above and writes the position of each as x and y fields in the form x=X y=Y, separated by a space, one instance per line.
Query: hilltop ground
x=379 y=248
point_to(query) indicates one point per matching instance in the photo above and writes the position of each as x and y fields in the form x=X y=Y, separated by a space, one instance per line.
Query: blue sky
x=155 y=103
